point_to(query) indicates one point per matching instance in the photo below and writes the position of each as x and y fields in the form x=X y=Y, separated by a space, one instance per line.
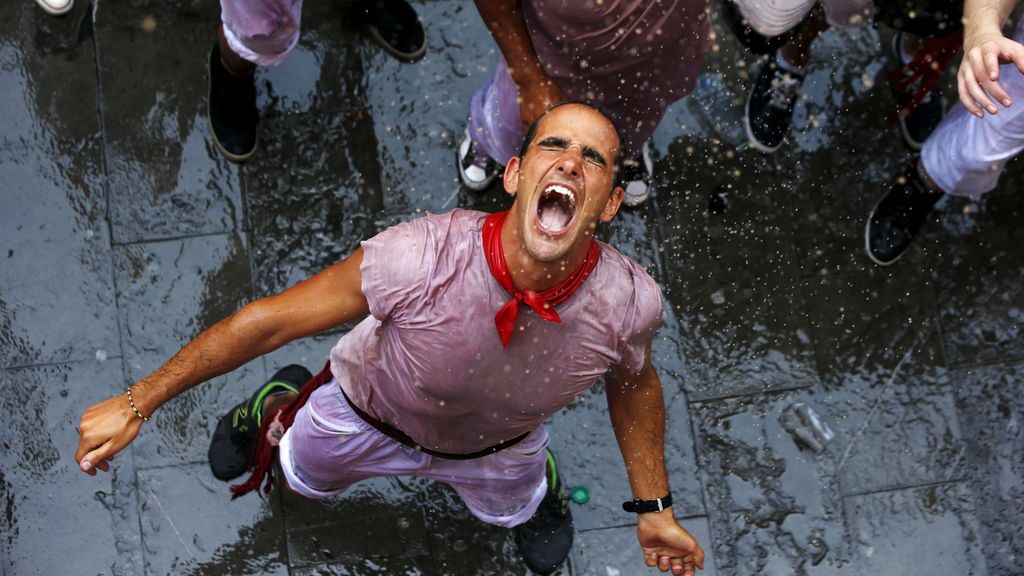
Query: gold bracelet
x=132 y=403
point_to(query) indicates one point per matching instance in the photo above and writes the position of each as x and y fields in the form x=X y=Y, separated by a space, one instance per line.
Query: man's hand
x=978 y=77
x=537 y=97
x=105 y=429
x=668 y=545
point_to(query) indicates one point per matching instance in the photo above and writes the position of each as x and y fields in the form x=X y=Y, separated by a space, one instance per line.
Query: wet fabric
x=629 y=58
x=263 y=32
x=328 y=448
x=774 y=17
x=429 y=362
x=966 y=155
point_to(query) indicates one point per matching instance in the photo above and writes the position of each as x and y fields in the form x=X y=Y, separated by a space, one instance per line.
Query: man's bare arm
x=637 y=410
x=328 y=299
x=537 y=92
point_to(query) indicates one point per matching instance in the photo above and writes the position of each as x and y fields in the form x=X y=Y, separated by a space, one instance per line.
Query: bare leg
x=234 y=63
x=798 y=49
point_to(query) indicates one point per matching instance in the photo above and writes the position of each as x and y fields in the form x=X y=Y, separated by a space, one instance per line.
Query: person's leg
x=964 y=156
x=519 y=488
x=773 y=96
x=494 y=131
x=256 y=33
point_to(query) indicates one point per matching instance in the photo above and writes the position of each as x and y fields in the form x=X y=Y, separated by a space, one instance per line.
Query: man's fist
x=105 y=429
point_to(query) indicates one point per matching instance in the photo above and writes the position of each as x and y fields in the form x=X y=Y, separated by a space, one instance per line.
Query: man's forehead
x=578 y=122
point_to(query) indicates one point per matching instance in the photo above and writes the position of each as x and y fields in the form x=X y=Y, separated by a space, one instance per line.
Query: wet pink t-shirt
x=428 y=359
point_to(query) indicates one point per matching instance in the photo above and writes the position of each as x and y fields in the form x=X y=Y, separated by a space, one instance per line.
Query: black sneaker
x=770 y=105
x=925 y=118
x=636 y=177
x=898 y=216
x=231 y=445
x=546 y=538
x=231 y=110
x=395 y=26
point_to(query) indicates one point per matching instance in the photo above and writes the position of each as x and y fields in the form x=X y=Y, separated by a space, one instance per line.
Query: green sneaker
x=546 y=538
x=231 y=445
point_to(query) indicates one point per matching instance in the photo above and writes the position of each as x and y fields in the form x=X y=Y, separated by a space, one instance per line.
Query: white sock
x=786 y=64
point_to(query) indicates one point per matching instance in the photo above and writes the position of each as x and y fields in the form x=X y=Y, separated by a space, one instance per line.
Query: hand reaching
x=105 y=429
x=978 y=77
x=668 y=545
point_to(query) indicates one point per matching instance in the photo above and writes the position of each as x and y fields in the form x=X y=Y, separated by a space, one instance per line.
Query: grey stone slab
x=732 y=278
x=47 y=79
x=461 y=544
x=169 y=293
x=898 y=431
x=191 y=525
x=420 y=109
x=588 y=455
x=772 y=506
x=990 y=403
x=616 y=552
x=58 y=520
x=166 y=177
x=864 y=325
x=980 y=275
x=378 y=520
x=312 y=195
x=60 y=306
x=916 y=532
x=401 y=566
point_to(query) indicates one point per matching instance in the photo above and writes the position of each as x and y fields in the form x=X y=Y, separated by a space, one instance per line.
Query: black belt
x=404 y=439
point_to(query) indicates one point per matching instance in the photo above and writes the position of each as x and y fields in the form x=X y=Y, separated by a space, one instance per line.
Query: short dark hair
x=531 y=132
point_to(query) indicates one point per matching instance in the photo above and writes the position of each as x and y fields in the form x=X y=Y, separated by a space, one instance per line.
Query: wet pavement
x=123 y=233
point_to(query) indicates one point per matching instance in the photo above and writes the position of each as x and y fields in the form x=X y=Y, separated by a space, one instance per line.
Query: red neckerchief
x=543 y=303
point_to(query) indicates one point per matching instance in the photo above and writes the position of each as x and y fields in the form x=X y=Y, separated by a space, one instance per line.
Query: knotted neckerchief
x=543 y=303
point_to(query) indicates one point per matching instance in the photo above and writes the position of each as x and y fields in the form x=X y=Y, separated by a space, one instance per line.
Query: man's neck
x=530 y=274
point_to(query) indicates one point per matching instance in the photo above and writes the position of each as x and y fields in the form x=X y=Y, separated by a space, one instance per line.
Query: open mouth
x=556 y=207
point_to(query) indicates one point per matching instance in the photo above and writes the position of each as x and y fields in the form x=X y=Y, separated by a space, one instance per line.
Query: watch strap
x=645 y=506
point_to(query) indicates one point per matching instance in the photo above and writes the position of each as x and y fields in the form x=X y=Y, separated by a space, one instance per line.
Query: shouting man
x=480 y=327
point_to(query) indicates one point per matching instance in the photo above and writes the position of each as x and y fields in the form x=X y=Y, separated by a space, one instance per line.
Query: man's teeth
x=565 y=192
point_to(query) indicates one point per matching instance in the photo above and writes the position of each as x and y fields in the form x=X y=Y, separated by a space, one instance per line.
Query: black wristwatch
x=644 y=506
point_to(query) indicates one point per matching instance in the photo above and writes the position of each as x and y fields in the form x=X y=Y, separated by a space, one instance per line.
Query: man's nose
x=569 y=163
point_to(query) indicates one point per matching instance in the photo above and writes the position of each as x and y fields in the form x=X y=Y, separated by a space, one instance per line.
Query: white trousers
x=966 y=154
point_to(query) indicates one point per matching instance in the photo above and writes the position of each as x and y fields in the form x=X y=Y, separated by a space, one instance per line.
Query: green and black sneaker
x=546 y=538
x=231 y=445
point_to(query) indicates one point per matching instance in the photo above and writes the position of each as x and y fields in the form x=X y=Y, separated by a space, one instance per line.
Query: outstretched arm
x=537 y=92
x=985 y=48
x=637 y=410
x=332 y=297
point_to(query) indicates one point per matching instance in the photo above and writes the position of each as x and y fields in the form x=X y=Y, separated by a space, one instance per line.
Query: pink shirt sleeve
x=643 y=318
x=395 y=268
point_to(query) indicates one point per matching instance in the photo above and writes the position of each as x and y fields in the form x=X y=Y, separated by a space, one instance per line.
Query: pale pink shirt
x=428 y=359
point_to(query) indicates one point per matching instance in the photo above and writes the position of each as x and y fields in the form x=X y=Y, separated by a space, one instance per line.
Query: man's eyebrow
x=588 y=152
x=554 y=141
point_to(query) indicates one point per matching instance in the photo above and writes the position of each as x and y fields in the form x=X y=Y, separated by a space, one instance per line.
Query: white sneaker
x=636 y=177
x=56 y=7
x=476 y=170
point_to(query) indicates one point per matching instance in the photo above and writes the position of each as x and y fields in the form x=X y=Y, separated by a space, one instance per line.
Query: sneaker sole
x=55 y=11
x=754 y=142
x=404 y=56
x=236 y=158
x=867 y=242
x=908 y=140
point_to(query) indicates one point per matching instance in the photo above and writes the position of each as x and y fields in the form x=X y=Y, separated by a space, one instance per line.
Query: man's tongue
x=554 y=216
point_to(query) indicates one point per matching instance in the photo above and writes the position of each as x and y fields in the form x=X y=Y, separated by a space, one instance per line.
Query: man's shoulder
x=623 y=269
x=444 y=228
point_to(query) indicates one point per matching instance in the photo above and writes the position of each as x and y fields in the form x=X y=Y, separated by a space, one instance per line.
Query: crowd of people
x=477 y=327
